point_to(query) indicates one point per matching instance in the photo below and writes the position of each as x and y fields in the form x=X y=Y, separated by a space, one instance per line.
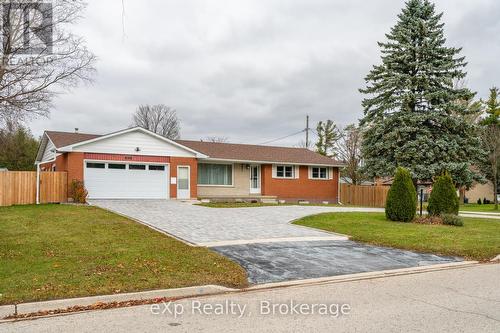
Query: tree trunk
x=461 y=192
x=495 y=190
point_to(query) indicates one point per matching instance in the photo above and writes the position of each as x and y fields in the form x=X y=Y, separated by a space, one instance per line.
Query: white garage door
x=119 y=180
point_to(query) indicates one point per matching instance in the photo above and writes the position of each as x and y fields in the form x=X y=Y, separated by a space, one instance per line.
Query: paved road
x=458 y=300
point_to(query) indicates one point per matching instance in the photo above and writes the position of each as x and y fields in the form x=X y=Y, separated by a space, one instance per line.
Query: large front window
x=215 y=174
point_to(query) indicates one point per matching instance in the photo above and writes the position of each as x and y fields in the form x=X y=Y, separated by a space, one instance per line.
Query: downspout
x=338 y=186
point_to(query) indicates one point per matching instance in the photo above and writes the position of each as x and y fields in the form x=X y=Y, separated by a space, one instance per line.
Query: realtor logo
x=27 y=27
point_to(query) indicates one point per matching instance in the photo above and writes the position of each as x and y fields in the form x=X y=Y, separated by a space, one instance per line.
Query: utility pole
x=307 y=131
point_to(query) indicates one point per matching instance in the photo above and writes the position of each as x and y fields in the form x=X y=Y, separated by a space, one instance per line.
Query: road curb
x=23 y=308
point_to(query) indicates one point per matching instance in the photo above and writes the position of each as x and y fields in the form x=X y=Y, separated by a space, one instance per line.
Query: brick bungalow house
x=136 y=163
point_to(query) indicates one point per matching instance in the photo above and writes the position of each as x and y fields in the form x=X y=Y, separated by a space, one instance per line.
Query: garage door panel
x=106 y=183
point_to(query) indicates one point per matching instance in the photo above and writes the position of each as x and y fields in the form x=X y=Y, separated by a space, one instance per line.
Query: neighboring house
x=4 y=169
x=137 y=163
x=480 y=191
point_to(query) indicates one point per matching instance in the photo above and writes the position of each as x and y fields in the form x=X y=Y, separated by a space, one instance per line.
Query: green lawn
x=474 y=207
x=58 y=251
x=478 y=239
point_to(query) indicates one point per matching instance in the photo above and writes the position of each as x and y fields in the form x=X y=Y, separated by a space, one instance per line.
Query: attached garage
x=120 y=180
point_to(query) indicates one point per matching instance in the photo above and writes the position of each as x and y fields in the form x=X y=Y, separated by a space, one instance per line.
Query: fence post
x=37 y=183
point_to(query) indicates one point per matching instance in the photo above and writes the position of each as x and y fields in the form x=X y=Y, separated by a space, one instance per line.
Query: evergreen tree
x=443 y=198
x=328 y=135
x=413 y=115
x=401 y=203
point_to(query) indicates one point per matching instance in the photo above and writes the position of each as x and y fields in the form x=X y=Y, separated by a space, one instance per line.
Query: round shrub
x=451 y=219
x=401 y=203
x=443 y=198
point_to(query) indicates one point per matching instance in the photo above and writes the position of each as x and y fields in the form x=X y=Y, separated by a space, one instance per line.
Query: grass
x=59 y=251
x=478 y=239
x=474 y=207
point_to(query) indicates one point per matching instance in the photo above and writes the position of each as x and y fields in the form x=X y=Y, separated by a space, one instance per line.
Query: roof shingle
x=223 y=151
x=257 y=153
x=61 y=139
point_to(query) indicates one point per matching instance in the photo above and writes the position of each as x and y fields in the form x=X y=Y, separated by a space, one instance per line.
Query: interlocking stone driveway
x=262 y=240
x=224 y=226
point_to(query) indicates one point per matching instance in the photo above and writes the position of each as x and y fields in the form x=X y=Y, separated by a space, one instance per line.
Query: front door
x=183 y=187
x=255 y=179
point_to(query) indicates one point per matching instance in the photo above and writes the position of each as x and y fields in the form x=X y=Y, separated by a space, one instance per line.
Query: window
x=284 y=171
x=136 y=167
x=95 y=165
x=157 y=167
x=319 y=173
x=215 y=174
x=116 y=166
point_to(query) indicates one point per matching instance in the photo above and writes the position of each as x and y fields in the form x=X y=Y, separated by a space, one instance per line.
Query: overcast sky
x=250 y=70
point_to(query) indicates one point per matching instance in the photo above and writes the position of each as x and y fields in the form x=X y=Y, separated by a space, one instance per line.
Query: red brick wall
x=302 y=188
x=193 y=164
x=131 y=158
x=73 y=164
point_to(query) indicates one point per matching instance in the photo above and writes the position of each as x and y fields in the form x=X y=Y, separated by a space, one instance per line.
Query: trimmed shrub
x=479 y=201
x=450 y=219
x=77 y=191
x=401 y=203
x=443 y=198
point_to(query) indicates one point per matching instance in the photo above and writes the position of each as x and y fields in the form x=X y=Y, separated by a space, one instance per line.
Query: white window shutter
x=274 y=170
x=296 y=171
x=330 y=173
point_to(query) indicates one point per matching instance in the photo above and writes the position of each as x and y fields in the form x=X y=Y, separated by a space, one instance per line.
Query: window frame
x=123 y=164
x=215 y=185
x=284 y=166
x=137 y=165
x=156 y=167
x=87 y=163
x=318 y=177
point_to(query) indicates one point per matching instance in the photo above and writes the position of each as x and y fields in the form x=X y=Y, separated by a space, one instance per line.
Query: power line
x=283 y=137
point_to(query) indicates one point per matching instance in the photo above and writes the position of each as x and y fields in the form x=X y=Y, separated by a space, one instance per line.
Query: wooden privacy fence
x=363 y=195
x=19 y=187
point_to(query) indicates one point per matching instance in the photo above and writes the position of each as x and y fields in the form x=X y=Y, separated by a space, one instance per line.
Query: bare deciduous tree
x=349 y=151
x=491 y=166
x=158 y=118
x=40 y=57
x=216 y=139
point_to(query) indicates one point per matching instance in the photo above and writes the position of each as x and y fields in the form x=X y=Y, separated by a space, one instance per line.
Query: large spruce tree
x=414 y=113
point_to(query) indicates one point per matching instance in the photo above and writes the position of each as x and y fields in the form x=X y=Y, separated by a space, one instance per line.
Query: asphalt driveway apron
x=275 y=262
x=262 y=240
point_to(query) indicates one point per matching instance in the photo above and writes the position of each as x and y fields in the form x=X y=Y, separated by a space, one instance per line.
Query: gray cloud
x=250 y=70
